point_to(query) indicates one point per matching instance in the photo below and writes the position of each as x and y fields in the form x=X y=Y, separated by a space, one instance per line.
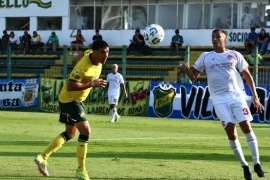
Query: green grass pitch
x=135 y=148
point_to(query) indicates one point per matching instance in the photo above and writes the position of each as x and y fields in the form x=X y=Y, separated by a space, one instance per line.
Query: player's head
x=176 y=31
x=114 y=68
x=219 y=38
x=100 y=50
x=99 y=44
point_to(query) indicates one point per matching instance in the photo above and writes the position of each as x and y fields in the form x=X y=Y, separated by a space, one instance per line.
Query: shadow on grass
x=141 y=155
x=34 y=177
x=92 y=178
x=254 y=126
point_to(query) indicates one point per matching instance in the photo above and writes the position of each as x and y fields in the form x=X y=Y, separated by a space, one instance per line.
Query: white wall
x=113 y=37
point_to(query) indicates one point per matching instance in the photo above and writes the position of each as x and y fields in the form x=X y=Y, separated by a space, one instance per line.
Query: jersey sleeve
x=242 y=64
x=77 y=74
x=121 y=79
x=199 y=64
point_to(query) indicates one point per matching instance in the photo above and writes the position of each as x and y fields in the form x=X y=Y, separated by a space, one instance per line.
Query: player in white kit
x=115 y=80
x=228 y=95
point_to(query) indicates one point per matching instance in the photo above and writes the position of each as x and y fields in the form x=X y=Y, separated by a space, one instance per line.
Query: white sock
x=237 y=150
x=114 y=112
x=253 y=147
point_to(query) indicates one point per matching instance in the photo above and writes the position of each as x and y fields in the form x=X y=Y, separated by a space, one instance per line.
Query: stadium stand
x=159 y=66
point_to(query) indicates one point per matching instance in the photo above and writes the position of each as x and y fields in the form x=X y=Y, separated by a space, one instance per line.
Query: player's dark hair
x=99 y=44
x=177 y=31
x=220 y=30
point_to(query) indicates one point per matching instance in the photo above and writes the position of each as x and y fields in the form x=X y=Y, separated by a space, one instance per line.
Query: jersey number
x=245 y=110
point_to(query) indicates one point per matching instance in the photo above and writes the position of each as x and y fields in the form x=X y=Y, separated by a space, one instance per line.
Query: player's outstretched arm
x=255 y=99
x=78 y=86
x=190 y=72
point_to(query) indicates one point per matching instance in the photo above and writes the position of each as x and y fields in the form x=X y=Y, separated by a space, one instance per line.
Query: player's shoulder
x=205 y=54
x=87 y=52
x=234 y=52
x=118 y=74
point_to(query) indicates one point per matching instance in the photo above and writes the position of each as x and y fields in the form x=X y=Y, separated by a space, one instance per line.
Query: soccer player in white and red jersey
x=114 y=81
x=228 y=95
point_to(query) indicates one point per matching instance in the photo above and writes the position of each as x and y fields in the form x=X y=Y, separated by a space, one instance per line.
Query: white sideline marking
x=121 y=139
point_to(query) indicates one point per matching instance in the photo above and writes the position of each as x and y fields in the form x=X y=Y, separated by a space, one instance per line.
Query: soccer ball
x=153 y=34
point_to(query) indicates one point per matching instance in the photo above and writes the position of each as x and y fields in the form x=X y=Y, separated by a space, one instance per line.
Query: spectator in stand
x=177 y=41
x=77 y=43
x=25 y=42
x=84 y=18
x=250 y=42
x=137 y=42
x=267 y=18
x=13 y=42
x=219 y=24
x=97 y=36
x=228 y=22
x=259 y=23
x=53 y=42
x=251 y=56
x=36 y=42
x=5 y=40
x=262 y=41
x=247 y=19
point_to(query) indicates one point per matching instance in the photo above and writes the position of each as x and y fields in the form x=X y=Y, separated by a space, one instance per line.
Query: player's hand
x=184 y=65
x=126 y=96
x=257 y=104
x=98 y=83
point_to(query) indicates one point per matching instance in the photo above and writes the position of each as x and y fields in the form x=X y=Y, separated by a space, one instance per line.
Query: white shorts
x=233 y=112
x=113 y=98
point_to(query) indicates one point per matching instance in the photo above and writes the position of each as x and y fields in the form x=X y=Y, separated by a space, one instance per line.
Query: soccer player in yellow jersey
x=83 y=77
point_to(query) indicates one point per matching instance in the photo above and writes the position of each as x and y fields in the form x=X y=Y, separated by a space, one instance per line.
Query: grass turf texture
x=133 y=148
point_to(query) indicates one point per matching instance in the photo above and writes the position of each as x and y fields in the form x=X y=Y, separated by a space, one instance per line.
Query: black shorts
x=71 y=113
x=75 y=42
x=173 y=44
